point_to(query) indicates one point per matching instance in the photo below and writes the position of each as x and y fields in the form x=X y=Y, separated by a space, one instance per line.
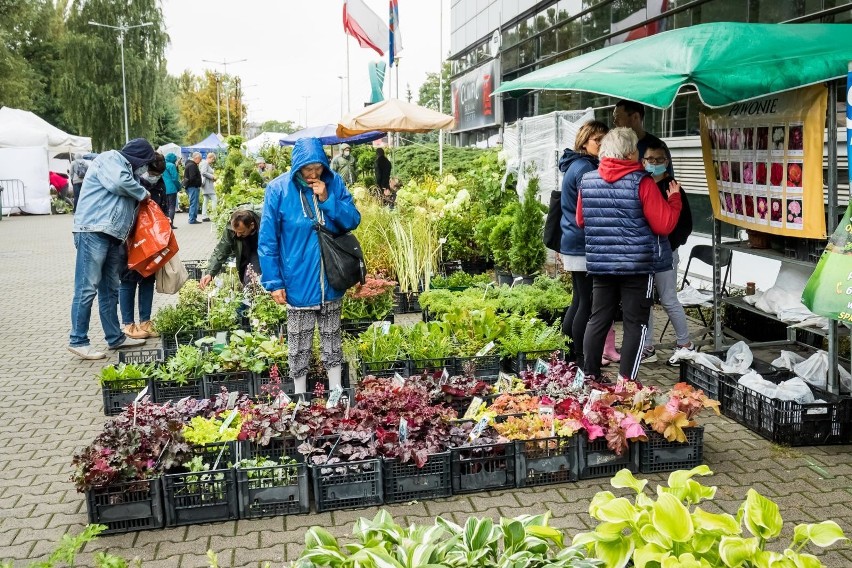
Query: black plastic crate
x=520 y=362
x=788 y=422
x=815 y=249
x=194 y=268
x=273 y=491
x=658 y=454
x=545 y=461
x=140 y=356
x=406 y=302
x=188 y=337
x=206 y=496
x=595 y=459
x=126 y=507
x=405 y=482
x=419 y=366
x=487 y=367
x=355 y=327
x=118 y=394
x=165 y=391
x=347 y=485
x=315 y=379
x=276 y=449
x=482 y=468
x=707 y=379
x=233 y=381
x=260 y=380
x=386 y=369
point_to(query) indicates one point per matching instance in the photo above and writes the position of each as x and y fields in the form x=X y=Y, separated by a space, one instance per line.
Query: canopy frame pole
x=348 y=75
x=441 y=88
x=831 y=183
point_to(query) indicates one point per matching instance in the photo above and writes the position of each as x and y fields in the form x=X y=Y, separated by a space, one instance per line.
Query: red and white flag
x=366 y=26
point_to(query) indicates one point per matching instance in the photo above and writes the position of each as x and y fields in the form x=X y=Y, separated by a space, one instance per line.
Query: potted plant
x=501 y=241
x=527 y=255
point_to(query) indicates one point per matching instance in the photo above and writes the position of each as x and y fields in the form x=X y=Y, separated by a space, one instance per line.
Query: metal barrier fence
x=12 y=196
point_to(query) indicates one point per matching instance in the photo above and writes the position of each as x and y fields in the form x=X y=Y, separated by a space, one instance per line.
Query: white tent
x=28 y=146
x=254 y=145
x=170 y=148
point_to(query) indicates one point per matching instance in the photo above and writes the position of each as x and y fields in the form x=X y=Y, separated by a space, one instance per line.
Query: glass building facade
x=534 y=34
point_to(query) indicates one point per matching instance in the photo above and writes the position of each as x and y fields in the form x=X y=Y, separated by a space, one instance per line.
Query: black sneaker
x=649 y=356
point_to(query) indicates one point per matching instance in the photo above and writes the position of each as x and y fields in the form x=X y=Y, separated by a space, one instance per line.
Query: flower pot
x=524 y=279
x=503 y=278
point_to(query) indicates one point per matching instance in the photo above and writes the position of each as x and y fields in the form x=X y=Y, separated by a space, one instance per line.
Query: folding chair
x=704 y=253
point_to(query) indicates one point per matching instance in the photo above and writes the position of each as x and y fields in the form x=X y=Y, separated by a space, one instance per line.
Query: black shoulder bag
x=552 y=224
x=342 y=256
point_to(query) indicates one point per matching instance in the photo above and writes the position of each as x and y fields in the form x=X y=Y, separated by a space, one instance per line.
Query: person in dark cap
x=105 y=214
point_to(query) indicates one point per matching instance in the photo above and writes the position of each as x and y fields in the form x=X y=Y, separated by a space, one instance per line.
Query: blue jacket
x=288 y=244
x=619 y=240
x=171 y=178
x=574 y=165
x=109 y=197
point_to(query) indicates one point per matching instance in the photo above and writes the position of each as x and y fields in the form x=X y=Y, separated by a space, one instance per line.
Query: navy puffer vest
x=618 y=238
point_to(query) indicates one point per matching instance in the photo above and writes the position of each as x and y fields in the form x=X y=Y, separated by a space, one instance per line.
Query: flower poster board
x=763 y=160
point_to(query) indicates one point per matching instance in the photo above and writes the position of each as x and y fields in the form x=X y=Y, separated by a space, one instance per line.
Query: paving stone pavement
x=50 y=405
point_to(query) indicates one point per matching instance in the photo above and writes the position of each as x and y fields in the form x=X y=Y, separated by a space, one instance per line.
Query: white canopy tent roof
x=254 y=145
x=58 y=141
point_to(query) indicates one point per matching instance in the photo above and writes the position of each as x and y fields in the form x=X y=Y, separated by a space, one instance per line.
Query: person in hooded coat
x=106 y=212
x=171 y=179
x=290 y=259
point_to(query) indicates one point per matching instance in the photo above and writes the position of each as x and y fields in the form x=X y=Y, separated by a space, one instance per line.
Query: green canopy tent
x=724 y=63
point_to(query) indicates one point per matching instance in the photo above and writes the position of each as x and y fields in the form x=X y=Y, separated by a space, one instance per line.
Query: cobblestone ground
x=50 y=405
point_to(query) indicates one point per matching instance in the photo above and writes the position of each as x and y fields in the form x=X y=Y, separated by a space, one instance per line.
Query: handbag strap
x=310 y=212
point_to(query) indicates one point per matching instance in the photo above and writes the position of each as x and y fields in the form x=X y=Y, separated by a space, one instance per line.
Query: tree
x=198 y=112
x=428 y=94
x=168 y=127
x=287 y=126
x=90 y=85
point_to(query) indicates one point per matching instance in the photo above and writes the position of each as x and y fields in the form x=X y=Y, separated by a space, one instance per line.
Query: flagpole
x=348 y=75
x=441 y=88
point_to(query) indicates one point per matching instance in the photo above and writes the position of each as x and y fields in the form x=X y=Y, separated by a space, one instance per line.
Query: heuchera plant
x=671 y=416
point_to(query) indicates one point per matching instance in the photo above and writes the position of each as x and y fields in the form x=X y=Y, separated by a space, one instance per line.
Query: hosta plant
x=671 y=530
x=526 y=541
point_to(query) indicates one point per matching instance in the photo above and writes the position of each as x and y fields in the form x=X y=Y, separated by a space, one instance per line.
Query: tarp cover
x=327 y=134
x=209 y=144
x=393 y=115
x=725 y=62
x=254 y=145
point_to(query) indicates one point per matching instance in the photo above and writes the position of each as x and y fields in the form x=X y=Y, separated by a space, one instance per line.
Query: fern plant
x=524 y=335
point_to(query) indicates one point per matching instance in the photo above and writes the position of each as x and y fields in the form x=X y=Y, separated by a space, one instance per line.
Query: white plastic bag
x=796 y=390
x=738 y=359
x=689 y=296
x=703 y=359
x=787 y=360
x=752 y=380
x=814 y=369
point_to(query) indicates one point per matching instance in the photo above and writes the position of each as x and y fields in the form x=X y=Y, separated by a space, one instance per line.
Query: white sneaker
x=86 y=352
x=129 y=342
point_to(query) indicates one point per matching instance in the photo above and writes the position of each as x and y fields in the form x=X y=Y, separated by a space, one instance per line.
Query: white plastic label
x=470 y=413
x=504 y=382
x=485 y=350
x=334 y=397
x=232 y=398
x=479 y=428
x=398 y=380
x=541 y=368
x=386 y=327
x=445 y=376
x=142 y=393
x=579 y=379
x=281 y=400
x=403 y=429
x=228 y=420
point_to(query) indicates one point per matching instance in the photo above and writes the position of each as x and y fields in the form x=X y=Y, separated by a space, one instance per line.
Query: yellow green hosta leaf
x=685 y=560
x=680 y=477
x=318 y=536
x=617 y=511
x=802 y=560
x=625 y=479
x=715 y=522
x=768 y=559
x=610 y=531
x=652 y=535
x=821 y=534
x=614 y=553
x=600 y=498
x=547 y=533
x=650 y=554
x=735 y=550
x=761 y=516
x=672 y=518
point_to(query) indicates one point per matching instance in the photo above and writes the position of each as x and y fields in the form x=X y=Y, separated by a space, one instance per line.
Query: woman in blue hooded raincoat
x=290 y=260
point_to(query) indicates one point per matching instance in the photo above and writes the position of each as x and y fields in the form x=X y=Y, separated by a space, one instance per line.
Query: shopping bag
x=158 y=260
x=171 y=276
x=828 y=291
x=150 y=235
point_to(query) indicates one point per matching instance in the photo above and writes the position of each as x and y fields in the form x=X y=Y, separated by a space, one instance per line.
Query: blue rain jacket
x=288 y=244
x=171 y=178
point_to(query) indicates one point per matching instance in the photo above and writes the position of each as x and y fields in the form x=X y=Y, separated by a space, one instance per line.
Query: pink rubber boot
x=610 y=355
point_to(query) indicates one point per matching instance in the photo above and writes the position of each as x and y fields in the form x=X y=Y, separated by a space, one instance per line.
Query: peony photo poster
x=763 y=161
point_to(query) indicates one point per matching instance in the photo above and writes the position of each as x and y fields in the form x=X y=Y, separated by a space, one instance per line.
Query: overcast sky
x=297 y=48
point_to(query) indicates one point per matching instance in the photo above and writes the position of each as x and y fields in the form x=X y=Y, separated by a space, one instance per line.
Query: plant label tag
x=594 y=396
x=182 y=401
x=228 y=420
x=334 y=397
x=485 y=350
x=232 y=399
x=516 y=280
x=346 y=412
x=403 y=430
x=142 y=393
x=398 y=380
x=579 y=379
x=470 y=413
x=504 y=382
x=541 y=367
x=386 y=327
x=281 y=400
x=445 y=376
x=300 y=402
x=545 y=410
x=479 y=428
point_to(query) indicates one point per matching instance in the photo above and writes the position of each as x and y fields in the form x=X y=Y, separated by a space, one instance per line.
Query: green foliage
x=500 y=240
x=545 y=297
x=528 y=253
x=90 y=80
x=429 y=94
x=418 y=161
x=524 y=335
x=286 y=126
x=199 y=115
x=123 y=372
x=376 y=345
x=474 y=329
x=170 y=320
x=458 y=228
x=427 y=341
x=460 y=279
x=242 y=192
x=189 y=362
x=669 y=532
x=365 y=161
x=69 y=546
x=201 y=431
x=526 y=541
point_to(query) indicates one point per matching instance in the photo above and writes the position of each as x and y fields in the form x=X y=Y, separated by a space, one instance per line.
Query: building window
x=624 y=9
x=720 y=11
x=510 y=59
x=773 y=12
x=596 y=23
x=510 y=36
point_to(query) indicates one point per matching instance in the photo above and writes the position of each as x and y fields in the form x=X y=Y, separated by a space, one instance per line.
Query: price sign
x=541 y=367
x=386 y=327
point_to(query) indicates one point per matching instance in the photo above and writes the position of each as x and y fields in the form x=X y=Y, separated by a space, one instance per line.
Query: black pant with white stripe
x=635 y=294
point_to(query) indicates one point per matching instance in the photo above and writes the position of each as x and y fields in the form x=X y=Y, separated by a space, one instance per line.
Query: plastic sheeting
x=532 y=147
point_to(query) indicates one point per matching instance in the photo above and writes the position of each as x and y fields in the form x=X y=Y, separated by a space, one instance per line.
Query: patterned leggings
x=300 y=337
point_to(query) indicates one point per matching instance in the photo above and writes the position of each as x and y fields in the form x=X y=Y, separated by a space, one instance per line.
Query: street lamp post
x=341 y=77
x=122 y=29
x=224 y=63
x=306 y=97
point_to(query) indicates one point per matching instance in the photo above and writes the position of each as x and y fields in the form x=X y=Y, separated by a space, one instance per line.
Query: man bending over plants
x=239 y=241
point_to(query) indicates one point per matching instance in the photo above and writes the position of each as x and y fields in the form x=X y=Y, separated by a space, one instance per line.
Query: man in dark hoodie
x=105 y=214
x=623 y=214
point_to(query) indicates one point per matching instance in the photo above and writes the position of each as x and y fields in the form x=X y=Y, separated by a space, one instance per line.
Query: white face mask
x=140 y=170
x=150 y=178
